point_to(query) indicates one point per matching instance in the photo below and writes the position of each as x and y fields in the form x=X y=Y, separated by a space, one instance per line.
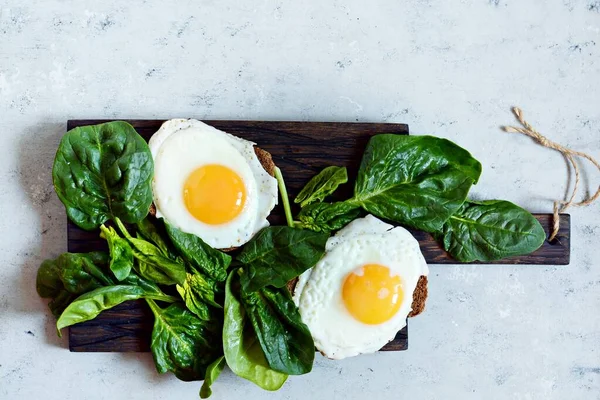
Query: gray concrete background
x=449 y=68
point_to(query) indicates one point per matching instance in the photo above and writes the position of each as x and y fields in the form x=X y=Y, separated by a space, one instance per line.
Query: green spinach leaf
x=103 y=171
x=200 y=255
x=121 y=255
x=285 y=340
x=242 y=350
x=419 y=181
x=87 y=306
x=198 y=294
x=327 y=217
x=80 y=272
x=60 y=302
x=70 y=275
x=280 y=253
x=322 y=185
x=182 y=343
x=147 y=286
x=212 y=373
x=155 y=233
x=150 y=272
x=491 y=230
x=48 y=282
x=153 y=263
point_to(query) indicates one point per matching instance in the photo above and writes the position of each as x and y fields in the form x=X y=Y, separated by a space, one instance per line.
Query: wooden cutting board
x=300 y=150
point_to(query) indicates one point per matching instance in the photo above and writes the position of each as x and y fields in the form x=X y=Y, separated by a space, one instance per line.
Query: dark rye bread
x=265 y=160
x=419 y=295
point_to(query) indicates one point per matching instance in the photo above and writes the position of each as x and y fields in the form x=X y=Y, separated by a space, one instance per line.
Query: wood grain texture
x=300 y=150
x=127 y=328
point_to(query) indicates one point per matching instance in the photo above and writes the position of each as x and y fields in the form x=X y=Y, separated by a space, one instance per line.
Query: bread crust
x=419 y=297
x=266 y=160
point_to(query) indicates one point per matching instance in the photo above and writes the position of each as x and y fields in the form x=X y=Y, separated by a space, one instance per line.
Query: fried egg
x=359 y=294
x=210 y=183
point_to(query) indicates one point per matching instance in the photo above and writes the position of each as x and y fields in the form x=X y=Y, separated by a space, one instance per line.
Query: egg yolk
x=371 y=294
x=214 y=194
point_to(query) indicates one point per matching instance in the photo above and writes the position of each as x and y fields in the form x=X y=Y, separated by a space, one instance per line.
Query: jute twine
x=559 y=205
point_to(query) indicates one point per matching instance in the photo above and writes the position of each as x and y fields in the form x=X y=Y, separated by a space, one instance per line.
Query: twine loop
x=559 y=205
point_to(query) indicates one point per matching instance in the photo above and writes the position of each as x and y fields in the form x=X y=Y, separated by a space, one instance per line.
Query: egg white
x=368 y=240
x=181 y=146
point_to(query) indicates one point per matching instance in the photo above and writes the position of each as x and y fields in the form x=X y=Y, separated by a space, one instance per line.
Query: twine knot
x=559 y=205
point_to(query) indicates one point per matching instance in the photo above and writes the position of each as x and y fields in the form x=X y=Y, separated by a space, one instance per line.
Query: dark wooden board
x=300 y=149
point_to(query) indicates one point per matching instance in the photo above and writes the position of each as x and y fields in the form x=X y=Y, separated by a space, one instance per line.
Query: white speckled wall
x=448 y=68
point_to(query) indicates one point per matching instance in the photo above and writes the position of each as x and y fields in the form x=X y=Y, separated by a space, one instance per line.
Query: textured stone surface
x=448 y=68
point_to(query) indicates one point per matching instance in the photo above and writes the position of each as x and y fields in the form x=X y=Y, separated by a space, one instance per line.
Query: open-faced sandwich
x=358 y=296
x=212 y=184
x=224 y=286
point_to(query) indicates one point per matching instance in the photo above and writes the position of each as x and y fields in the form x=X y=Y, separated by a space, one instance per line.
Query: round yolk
x=371 y=294
x=214 y=194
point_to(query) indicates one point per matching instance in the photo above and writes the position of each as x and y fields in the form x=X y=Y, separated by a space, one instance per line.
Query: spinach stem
x=122 y=228
x=284 y=197
x=152 y=305
x=354 y=201
x=155 y=309
x=166 y=298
